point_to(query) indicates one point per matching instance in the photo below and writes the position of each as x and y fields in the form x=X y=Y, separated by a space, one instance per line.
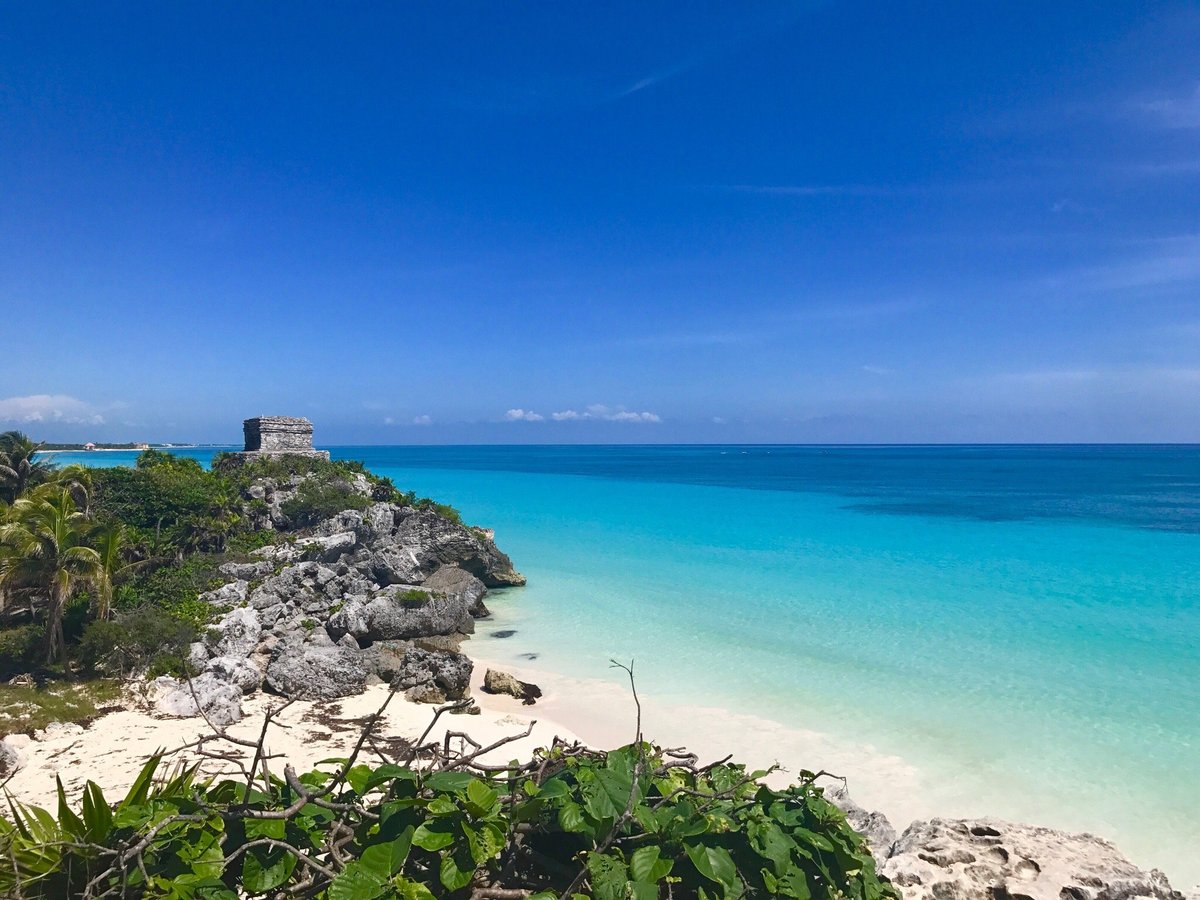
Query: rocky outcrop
x=988 y=859
x=874 y=826
x=433 y=676
x=322 y=613
x=208 y=694
x=497 y=682
x=316 y=670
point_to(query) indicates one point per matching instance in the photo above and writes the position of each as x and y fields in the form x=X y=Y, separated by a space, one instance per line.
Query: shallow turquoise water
x=1021 y=624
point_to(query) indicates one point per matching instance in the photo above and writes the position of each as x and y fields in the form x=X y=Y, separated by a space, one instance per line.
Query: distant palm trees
x=19 y=470
x=47 y=546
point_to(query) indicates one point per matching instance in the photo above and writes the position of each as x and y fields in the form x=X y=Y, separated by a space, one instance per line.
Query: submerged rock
x=988 y=859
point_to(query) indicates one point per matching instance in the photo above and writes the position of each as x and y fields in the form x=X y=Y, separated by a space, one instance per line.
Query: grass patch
x=26 y=708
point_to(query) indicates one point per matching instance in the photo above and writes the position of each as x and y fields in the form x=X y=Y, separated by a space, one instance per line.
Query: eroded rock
x=497 y=682
x=988 y=859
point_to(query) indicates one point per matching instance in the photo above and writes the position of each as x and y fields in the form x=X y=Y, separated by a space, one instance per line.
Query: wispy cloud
x=1169 y=262
x=523 y=415
x=877 y=370
x=607 y=414
x=49 y=408
x=422 y=420
x=1173 y=110
x=819 y=190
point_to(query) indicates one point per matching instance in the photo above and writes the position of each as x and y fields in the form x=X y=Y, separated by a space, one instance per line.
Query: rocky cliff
x=383 y=592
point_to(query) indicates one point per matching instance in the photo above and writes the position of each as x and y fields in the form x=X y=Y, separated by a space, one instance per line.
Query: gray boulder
x=443 y=605
x=453 y=544
x=238 y=671
x=874 y=826
x=433 y=676
x=236 y=633
x=220 y=701
x=307 y=669
x=497 y=682
x=987 y=859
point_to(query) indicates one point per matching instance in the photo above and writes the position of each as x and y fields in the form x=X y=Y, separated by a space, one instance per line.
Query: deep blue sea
x=1018 y=624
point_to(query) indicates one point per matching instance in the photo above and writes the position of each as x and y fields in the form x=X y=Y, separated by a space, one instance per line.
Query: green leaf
x=266 y=868
x=647 y=864
x=554 y=789
x=714 y=863
x=389 y=772
x=456 y=871
x=413 y=890
x=608 y=876
x=570 y=818
x=433 y=836
x=481 y=800
x=449 y=781
x=70 y=822
x=272 y=828
x=140 y=788
x=357 y=778
x=355 y=883
x=386 y=859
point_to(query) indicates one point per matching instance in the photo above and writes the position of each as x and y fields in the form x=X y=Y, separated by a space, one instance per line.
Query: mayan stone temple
x=271 y=436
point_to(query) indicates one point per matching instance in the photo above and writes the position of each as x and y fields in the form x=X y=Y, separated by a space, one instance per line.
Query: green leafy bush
x=174 y=588
x=21 y=649
x=627 y=824
x=141 y=639
x=316 y=500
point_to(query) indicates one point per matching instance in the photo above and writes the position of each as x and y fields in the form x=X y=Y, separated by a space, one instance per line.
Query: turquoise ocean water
x=1020 y=624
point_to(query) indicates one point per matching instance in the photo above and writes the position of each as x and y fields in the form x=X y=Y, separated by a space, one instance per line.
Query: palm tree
x=48 y=551
x=18 y=468
x=78 y=480
x=111 y=543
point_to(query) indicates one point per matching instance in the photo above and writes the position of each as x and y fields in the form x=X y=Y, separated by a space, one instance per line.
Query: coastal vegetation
x=100 y=569
x=106 y=571
x=638 y=822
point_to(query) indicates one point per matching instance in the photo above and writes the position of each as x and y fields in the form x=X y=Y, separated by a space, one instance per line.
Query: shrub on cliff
x=317 y=499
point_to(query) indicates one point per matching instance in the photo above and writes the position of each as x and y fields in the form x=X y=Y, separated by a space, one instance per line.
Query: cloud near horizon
x=523 y=415
x=48 y=408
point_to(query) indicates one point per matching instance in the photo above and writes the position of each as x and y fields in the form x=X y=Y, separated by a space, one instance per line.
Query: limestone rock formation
x=988 y=859
x=874 y=826
x=497 y=682
x=433 y=676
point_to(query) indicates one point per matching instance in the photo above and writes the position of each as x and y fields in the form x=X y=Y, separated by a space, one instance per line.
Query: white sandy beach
x=112 y=749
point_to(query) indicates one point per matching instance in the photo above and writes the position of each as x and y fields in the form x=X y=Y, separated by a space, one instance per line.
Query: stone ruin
x=273 y=436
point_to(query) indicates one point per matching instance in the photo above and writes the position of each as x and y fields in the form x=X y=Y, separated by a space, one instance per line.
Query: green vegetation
x=633 y=823
x=317 y=500
x=107 y=564
x=27 y=708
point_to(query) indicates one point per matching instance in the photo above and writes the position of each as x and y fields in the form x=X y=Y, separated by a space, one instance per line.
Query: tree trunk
x=55 y=641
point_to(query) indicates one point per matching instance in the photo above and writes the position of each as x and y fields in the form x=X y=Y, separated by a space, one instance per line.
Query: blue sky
x=602 y=222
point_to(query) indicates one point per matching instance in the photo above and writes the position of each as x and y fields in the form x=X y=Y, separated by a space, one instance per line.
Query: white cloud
x=523 y=415
x=1175 y=112
x=48 y=408
x=423 y=420
x=601 y=412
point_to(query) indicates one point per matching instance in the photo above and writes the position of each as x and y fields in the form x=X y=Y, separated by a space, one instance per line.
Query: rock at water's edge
x=988 y=859
x=497 y=682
